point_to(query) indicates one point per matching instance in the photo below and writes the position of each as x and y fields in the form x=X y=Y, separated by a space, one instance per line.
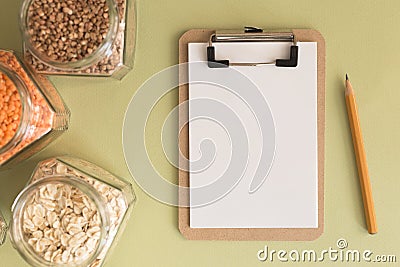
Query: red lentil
x=39 y=122
x=10 y=109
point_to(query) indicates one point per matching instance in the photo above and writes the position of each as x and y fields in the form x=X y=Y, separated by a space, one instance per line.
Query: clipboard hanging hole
x=248 y=29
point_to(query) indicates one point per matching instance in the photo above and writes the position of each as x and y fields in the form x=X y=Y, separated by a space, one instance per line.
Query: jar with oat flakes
x=71 y=213
x=32 y=113
x=79 y=37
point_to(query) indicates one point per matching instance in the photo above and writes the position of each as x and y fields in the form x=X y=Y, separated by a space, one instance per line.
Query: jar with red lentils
x=32 y=113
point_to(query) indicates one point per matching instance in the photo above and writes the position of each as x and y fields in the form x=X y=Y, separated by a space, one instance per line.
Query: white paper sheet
x=288 y=198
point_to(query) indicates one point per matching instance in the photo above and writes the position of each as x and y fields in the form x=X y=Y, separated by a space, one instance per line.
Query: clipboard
x=250 y=34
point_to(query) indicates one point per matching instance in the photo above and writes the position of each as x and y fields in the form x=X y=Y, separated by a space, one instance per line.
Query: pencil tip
x=347 y=77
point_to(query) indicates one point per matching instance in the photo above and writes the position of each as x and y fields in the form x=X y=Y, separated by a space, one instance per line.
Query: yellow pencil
x=361 y=159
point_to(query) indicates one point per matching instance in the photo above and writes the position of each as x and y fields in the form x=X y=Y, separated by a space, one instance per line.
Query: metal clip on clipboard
x=251 y=34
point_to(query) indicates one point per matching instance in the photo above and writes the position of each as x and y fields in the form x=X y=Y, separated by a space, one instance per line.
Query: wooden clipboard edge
x=242 y=234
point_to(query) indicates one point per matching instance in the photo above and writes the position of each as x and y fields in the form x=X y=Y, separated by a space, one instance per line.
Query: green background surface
x=361 y=39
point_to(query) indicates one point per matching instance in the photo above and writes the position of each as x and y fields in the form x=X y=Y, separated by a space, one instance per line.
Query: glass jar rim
x=103 y=50
x=26 y=107
x=20 y=203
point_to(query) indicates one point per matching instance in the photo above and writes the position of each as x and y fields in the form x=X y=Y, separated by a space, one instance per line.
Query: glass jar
x=39 y=221
x=32 y=113
x=97 y=204
x=58 y=38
